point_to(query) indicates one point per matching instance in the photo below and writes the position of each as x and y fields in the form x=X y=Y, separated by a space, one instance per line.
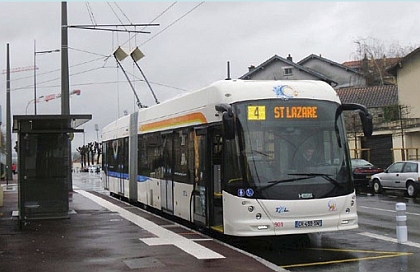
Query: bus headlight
x=250 y=208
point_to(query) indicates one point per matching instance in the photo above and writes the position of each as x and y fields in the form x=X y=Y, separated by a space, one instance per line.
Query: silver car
x=403 y=175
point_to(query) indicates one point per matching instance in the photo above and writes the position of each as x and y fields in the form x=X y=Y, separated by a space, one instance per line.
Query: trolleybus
x=228 y=157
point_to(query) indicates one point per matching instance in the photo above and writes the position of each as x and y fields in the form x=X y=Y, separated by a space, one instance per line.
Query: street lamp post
x=35 y=53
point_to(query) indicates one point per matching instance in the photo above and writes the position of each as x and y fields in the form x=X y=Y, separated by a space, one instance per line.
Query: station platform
x=105 y=234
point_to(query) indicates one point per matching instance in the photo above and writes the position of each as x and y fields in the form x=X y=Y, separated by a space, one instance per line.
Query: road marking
x=388 y=239
x=384 y=210
x=164 y=236
x=381 y=256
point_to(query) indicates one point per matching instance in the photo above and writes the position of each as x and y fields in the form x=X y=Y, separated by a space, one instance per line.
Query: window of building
x=287 y=71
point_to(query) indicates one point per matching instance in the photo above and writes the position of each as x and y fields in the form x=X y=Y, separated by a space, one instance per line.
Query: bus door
x=166 y=186
x=105 y=164
x=201 y=175
x=216 y=202
x=122 y=160
x=208 y=208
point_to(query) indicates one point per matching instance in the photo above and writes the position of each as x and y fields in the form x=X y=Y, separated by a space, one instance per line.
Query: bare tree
x=376 y=57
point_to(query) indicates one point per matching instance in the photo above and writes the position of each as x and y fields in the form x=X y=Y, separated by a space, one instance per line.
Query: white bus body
x=245 y=184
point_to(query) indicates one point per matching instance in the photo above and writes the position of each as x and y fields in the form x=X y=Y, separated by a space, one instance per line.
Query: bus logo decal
x=241 y=192
x=332 y=206
x=281 y=209
x=285 y=92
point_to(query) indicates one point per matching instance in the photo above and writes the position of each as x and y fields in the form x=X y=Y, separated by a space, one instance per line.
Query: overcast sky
x=188 y=50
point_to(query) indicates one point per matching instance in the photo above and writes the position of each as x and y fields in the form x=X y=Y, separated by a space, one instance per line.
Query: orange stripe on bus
x=191 y=118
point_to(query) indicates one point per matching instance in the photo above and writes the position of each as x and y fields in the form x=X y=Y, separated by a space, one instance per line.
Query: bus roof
x=198 y=107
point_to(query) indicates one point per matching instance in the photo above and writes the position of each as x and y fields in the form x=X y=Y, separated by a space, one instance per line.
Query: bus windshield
x=288 y=149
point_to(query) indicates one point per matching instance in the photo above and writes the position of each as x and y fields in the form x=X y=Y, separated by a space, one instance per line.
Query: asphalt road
x=372 y=247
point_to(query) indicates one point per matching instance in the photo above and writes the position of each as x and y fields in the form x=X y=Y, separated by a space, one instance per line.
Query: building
x=406 y=71
x=344 y=76
x=312 y=67
x=278 y=68
x=382 y=103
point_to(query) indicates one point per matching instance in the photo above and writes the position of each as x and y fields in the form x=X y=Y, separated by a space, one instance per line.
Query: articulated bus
x=228 y=157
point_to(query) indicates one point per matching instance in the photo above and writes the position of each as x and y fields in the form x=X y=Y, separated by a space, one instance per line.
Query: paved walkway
x=105 y=234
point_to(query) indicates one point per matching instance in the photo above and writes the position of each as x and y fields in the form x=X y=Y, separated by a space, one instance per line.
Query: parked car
x=362 y=172
x=402 y=175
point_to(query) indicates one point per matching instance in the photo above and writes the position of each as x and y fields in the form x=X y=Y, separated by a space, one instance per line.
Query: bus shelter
x=44 y=163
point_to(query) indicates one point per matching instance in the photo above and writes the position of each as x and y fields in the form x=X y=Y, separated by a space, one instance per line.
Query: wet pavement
x=105 y=234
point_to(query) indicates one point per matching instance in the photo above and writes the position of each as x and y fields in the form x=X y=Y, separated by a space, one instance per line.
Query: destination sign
x=296 y=112
x=256 y=112
x=283 y=112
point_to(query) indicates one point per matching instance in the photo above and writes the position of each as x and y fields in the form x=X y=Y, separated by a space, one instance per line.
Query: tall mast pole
x=65 y=104
x=8 y=123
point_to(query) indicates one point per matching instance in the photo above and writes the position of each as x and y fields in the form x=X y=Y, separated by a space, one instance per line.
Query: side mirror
x=367 y=124
x=227 y=120
x=365 y=116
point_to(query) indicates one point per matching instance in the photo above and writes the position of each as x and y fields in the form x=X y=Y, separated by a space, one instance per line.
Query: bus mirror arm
x=228 y=120
x=365 y=116
x=224 y=108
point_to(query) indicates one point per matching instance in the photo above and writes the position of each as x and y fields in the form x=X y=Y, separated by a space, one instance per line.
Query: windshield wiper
x=275 y=182
x=261 y=153
x=325 y=176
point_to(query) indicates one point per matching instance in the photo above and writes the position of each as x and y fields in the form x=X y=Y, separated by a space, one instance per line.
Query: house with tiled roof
x=407 y=71
x=312 y=67
x=343 y=75
x=374 y=70
x=278 y=68
x=382 y=103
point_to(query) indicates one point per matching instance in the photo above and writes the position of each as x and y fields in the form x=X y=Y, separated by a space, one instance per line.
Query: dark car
x=362 y=172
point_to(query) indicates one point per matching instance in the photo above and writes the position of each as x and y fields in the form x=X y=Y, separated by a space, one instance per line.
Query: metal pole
x=35 y=77
x=8 y=123
x=65 y=105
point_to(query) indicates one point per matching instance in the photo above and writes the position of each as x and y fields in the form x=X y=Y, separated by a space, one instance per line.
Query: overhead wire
x=92 y=18
x=90 y=12
x=157 y=17
x=174 y=22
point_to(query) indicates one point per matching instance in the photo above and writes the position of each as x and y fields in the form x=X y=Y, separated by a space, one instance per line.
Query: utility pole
x=65 y=105
x=8 y=124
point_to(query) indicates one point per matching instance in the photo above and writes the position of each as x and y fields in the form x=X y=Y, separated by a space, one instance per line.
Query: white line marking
x=388 y=239
x=383 y=210
x=164 y=236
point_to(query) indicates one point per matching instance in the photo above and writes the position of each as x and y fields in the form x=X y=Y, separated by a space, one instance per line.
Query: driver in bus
x=306 y=159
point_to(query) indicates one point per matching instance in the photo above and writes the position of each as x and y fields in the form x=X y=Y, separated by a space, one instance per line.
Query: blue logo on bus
x=241 y=192
x=285 y=92
x=249 y=192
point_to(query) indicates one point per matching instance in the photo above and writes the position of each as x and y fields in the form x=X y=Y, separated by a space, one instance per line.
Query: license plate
x=308 y=224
